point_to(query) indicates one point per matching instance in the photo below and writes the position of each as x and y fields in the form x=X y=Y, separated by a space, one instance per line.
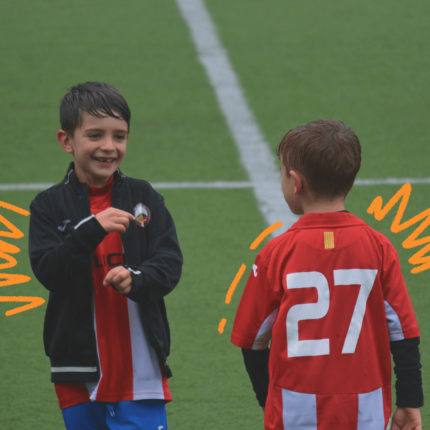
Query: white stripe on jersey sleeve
x=264 y=334
x=393 y=321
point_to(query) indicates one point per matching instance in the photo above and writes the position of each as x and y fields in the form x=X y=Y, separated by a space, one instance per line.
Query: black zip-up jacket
x=62 y=240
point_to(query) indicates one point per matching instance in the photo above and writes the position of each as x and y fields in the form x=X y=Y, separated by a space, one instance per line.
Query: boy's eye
x=94 y=136
x=120 y=137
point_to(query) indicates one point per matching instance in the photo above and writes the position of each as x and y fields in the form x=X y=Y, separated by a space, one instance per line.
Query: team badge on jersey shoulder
x=142 y=215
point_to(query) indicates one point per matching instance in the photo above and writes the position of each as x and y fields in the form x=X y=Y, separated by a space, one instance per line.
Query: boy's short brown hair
x=99 y=99
x=327 y=152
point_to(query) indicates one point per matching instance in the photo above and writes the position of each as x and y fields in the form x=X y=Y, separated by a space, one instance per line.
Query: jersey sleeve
x=401 y=320
x=258 y=307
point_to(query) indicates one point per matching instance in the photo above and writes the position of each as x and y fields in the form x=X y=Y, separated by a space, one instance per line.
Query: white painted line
x=392 y=181
x=255 y=154
x=26 y=186
x=221 y=185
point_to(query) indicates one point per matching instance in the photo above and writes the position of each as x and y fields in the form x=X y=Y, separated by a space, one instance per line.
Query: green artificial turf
x=362 y=62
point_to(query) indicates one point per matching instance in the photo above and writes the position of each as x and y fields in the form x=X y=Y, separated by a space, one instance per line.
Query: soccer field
x=365 y=63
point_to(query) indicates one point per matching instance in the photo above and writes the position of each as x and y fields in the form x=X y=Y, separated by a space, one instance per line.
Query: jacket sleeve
x=161 y=270
x=57 y=247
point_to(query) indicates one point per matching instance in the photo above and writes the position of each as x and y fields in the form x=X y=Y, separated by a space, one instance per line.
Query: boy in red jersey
x=330 y=295
x=105 y=247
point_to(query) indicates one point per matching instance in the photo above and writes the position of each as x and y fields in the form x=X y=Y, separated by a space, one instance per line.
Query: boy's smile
x=98 y=147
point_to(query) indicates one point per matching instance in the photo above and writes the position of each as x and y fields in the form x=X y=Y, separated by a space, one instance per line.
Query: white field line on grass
x=156 y=185
x=255 y=154
x=222 y=185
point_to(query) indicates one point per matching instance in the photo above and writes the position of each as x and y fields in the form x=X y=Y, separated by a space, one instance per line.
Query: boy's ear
x=298 y=181
x=65 y=141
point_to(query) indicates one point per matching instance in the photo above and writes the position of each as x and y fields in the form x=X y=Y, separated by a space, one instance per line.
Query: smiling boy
x=107 y=269
x=98 y=147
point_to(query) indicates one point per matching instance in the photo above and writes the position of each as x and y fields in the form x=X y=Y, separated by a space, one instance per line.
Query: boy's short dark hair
x=96 y=98
x=327 y=152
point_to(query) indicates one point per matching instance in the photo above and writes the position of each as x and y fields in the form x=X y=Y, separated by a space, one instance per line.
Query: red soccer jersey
x=330 y=295
x=129 y=366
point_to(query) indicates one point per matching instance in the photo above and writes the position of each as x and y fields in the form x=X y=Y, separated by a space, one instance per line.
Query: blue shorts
x=133 y=415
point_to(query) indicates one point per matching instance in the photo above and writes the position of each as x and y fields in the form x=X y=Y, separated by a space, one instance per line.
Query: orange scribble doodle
x=421 y=259
x=6 y=249
x=13 y=279
x=221 y=325
x=229 y=294
x=233 y=285
x=264 y=234
x=242 y=269
x=34 y=302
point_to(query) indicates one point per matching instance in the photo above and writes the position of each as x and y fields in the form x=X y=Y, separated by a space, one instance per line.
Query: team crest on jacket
x=142 y=215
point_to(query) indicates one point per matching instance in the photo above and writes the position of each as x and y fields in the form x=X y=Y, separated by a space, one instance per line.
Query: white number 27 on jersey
x=310 y=311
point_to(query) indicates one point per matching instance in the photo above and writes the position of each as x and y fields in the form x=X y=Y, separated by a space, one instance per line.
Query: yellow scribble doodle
x=242 y=269
x=420 y=259
x=6 y=249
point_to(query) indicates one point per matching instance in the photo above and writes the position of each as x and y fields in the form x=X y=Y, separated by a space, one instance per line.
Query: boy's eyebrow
x=122 y=130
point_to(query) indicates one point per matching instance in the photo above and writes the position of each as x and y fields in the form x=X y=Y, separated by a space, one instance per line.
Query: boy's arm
x=404 y=340
x=257 y=366
x=252 y=329
x=409 y=391
x=407 y=368
x=158 y=274
x=54 y=255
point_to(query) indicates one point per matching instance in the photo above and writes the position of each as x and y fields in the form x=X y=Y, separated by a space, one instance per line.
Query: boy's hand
x=406 y=419
x=120 y=279
x=112 y=219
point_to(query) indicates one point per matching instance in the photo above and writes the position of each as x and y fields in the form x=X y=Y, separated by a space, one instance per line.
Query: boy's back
x=330 y=294
x=327 y=285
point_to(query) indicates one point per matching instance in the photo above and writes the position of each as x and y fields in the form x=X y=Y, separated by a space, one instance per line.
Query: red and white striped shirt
x=129 y=367
x=330 y=295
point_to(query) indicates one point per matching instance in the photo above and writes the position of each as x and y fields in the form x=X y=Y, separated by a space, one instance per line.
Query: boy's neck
x=324 y=206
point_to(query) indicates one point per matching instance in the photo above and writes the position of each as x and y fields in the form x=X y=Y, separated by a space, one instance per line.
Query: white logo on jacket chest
x=142 y=215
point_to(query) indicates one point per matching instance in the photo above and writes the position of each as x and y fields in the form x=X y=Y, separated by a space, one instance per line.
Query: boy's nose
x=108 y=143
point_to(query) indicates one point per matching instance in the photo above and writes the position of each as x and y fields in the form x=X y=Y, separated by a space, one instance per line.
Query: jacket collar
x=72 y=180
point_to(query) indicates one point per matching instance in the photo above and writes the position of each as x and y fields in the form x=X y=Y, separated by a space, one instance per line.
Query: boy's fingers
x=113 y=219
x=114 y=213
x=126 y=214
x=122 y=284
x=116 y=276
x=124 y=219
x=110 y=277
